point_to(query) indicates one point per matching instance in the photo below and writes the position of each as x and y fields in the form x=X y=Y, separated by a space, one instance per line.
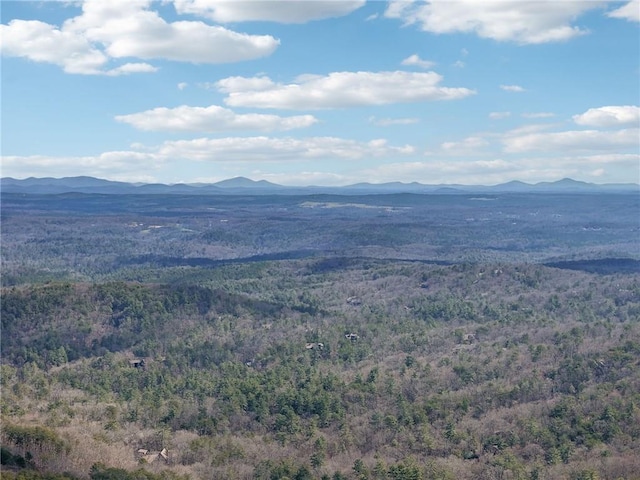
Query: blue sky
x=322 y=92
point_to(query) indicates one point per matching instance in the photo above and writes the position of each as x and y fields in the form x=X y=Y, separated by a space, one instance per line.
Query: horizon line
x=199 y=184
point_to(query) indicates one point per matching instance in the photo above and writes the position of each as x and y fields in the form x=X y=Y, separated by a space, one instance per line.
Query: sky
x=301 y=92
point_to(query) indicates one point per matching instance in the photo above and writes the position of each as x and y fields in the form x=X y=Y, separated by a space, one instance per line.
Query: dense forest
x=272 y=339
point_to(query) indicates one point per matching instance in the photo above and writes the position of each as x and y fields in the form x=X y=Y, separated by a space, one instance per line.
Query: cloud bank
x=338 y=90
x=211 y=119
x=609 y=116
x=516 y=21
x=630 y=11
x=117 y=29
x=291 y=11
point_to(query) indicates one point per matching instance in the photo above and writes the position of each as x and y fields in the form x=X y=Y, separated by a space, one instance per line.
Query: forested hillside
x=344 y=369
x=127 y=354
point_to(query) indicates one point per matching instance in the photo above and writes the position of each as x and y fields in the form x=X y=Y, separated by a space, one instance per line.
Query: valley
x=388 y=336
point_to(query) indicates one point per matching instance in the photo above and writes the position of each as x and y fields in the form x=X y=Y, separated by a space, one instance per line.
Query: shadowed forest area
x=398 y=337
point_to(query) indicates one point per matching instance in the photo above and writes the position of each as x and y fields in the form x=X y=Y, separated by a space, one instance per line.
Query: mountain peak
x=243 y=182
x=243 y=185
x=568 y=181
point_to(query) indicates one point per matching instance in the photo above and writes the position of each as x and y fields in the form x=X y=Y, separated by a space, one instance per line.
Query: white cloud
x=609 y=116
x=239 y=84
x=41 y=42
x=512 y=88
x=538 y=115
x=469 y=145
x=499 y=170
x=499 y=115
x=503 y=20
x=128 y=68
x=495 y=164
x=573 y=141
x=415 y=60
x=114 y=165
x=386 y=122
x=117 y=29
x=339 y=89
x=247 y=149
x=630 y=11
x=182 y=85
x=229 y=152
x=211 y=119
x=193 y=42
x=604 y=159
x=528 y=129
x=129 y=29
x=291 y=11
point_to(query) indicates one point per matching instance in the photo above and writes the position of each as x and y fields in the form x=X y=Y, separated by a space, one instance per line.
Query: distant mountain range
x=245 y=186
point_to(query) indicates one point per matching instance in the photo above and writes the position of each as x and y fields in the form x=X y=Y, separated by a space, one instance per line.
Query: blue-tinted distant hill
x=50 y=181
x=246 y=186
x=243 y=182
x=49 y=185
